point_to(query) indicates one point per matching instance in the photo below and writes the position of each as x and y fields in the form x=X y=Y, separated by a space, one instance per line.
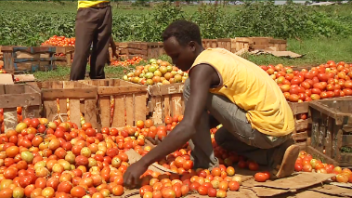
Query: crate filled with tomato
x=328 y=80
x=121 y=103
x=17 y=102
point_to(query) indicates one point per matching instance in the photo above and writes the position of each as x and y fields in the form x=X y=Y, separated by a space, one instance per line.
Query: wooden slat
x=166 y=106
x=298 y=108
x=90 y=113
x=50 y=94
x=119 y=112
x=158 y=110
x=50 y=109
x=302 y=124
x=140 y=107
x=129 y=109
x=104 y=106
x=104 y=91
x=300 y=136
x=176 y=104
x=157 y=90
x=75 y=110
x=19 y=100
x=31 y=112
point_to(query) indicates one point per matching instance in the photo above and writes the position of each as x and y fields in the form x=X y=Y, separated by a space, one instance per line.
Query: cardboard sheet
x=286 y=185
x=6 y=79
x=334 y=190
x=287 y=54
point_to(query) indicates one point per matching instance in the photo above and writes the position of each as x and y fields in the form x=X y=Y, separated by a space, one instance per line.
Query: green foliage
x=29 y=28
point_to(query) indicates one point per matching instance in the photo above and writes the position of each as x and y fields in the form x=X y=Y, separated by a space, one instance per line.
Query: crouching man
x=257 y=120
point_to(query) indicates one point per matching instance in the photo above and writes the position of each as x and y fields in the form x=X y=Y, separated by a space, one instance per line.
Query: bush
x=252 y=19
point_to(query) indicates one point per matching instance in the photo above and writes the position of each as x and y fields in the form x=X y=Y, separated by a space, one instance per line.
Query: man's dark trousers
x=93 y=25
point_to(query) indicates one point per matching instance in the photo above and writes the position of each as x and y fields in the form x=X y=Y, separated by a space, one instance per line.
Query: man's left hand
x=133 y=173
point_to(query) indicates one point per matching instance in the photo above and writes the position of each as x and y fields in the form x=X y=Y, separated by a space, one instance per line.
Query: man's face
x=182 y=56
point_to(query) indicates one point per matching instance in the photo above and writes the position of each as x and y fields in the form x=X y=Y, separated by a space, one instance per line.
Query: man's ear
x=192 y=46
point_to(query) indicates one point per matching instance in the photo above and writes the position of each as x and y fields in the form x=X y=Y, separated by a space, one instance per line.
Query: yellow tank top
x=87 y=4
x=250 y=88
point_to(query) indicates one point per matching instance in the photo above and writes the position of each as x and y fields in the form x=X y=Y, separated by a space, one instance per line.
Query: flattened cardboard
x=6 y=79
x=267 y=192
x=285 y=185
x=334 y=190
x=133 y=157
x=344 y=185
x=286 y=54
x=25 y=77
x=242 y=193
x=312 y=194
x=296 y=181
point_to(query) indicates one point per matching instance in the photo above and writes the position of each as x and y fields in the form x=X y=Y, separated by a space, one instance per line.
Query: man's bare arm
x=202 y=78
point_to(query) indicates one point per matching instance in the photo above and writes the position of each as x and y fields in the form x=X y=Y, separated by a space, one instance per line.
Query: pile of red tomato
x=306 y=163
x=127 y=62
x=56 y=159
x=325 y=81
x=60 y=41
x=45 y=159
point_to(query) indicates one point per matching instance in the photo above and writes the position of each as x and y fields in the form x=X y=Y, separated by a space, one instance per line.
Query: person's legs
x=84 y=31
x=100 y=52
x=275 y=152
x=236 y=135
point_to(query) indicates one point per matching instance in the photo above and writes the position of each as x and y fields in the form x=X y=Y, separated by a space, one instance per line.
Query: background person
x=93 y=26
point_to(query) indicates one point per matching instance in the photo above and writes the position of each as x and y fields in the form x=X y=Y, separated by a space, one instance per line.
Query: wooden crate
x=210 y=43
x=165 y=100
x=13 y=96
x=302 y=127
x=228 y=43
x=317 y=154
x=82 y=101
x=278 y=45
x=28 y=59
x=66 y=55
x=332 y=128
x=130 y=102
x=145 y=50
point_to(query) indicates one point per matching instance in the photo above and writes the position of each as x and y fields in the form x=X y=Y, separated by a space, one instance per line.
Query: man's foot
x=288 y=153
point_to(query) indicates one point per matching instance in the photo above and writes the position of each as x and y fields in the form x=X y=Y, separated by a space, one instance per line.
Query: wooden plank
x=298 y=108
x=176 y=104
x=104 y=91
x=158 y=110
x=75 y=110
x=300 y=136
x=8 y=61
x=104 y=106
x=51 y=94
x=140 y=107
x=50 y=109
x=91 y=113
x=19 y=100
x=166 y=106
x=302 y=124
x=129 y=109
x=31 y=112
x=119 y=112
x=157 y=90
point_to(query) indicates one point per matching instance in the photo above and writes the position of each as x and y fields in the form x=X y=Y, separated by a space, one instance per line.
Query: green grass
x=317 y=50
x=63 y=73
